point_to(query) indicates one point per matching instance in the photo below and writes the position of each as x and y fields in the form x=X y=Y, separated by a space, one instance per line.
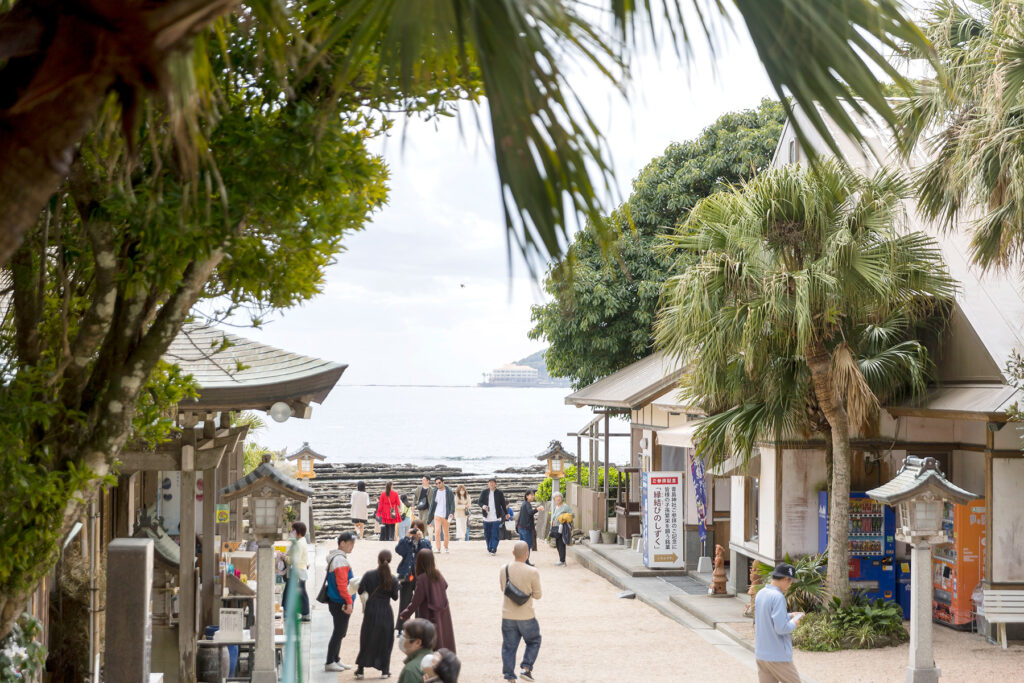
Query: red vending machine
x=957 y=567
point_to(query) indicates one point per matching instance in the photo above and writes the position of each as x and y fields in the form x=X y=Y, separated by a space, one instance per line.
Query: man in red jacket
x=339 y=597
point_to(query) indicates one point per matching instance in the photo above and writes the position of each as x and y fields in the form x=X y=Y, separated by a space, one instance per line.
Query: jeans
x=525 y=535
x=303 y=597
x=403 y=527
x=511 y=631
x=340 y=629
x=491 y=531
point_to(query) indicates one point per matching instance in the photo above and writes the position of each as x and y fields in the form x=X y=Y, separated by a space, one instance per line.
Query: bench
x=1003 y=607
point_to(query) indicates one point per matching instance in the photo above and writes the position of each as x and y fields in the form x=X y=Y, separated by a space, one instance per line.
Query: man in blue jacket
x=773 y=626
x=339 y=597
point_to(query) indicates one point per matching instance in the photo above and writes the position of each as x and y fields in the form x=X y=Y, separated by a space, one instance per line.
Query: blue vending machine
x=872 y=544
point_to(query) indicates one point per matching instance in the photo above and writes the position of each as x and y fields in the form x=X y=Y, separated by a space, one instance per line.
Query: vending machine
x=872 y=530
x=957 y=567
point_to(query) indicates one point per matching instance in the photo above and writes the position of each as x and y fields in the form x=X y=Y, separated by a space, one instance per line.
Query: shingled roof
x=270 y=475
x=307 y=451
x=917 y=477
x=235 y=373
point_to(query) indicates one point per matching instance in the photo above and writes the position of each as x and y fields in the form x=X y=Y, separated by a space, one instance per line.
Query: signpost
x=662 y=510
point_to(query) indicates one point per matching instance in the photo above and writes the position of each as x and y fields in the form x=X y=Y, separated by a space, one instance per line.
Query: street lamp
x=919 y=492
x=554 y=457
x=267 y=489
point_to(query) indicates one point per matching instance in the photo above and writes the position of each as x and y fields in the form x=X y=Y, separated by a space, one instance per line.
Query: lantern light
x=280 y=411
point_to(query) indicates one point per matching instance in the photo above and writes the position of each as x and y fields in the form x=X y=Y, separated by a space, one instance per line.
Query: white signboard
x=662 y=515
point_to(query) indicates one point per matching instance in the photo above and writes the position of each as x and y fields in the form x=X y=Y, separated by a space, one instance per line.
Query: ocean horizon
x=477 y=429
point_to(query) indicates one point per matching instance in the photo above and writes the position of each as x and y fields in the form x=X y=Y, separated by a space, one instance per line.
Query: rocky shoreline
x=335 y=482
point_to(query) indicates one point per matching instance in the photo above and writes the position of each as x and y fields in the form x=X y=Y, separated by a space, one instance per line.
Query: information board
x=662 y=518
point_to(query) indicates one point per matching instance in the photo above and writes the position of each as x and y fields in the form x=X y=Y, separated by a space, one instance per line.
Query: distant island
x=531 y=371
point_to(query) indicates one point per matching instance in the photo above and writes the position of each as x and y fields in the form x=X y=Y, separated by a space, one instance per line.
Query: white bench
x=1003 y=607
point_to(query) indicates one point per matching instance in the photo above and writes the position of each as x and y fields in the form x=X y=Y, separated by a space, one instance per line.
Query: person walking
x=430 y=599
x=416 y=642
x=408 y=547
x=462 y=506
x=442 y=509
x=561 y=525
x=389 y=510
x=773 y=626
x=339 y=599
x=519 y=621
x=492 y=503
x=297 y=560
x=526 y=522
x=424 y=497
x=360 y=502
x=403 y=527
x=377 y=633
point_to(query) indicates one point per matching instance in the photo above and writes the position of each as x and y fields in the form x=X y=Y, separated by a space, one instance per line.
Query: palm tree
x=969 y=127
x=803 y=302
x=61 y=61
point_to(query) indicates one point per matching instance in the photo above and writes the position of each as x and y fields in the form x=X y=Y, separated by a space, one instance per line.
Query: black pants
x=560 y=544
x=303 y=598
x=387 y=532
x=340 y=629
x=405 y=590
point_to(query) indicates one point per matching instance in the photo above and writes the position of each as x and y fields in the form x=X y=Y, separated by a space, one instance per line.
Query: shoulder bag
x=512 y=593
x=321 y=597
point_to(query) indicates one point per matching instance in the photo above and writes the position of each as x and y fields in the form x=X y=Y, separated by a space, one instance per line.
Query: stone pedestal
x=921 y=668
x=264 y=667
x=129 y=631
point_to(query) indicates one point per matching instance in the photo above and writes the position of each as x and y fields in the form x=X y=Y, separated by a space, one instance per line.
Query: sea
x=477 y=429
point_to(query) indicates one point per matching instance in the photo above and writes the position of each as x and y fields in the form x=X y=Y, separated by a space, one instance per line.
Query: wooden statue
x=755 y=579
x=718 y=578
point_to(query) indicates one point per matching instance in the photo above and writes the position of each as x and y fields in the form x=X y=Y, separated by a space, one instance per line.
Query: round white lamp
x=280 y=411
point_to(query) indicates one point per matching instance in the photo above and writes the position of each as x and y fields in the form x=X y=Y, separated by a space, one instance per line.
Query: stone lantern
x=267 y=489
x=555 y=458
x=304 y=459
x=919 y=491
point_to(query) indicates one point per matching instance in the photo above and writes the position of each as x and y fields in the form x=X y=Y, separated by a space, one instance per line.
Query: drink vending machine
x=957 y=567
x=872 y=530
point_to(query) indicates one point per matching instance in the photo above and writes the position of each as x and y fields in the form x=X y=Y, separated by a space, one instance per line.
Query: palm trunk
x=837 y=580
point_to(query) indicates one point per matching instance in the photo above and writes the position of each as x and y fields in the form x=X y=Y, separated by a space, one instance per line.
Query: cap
x=784 y=571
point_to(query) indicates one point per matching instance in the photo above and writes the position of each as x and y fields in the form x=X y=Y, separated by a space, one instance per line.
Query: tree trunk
x=837 y=580
x=829 y=459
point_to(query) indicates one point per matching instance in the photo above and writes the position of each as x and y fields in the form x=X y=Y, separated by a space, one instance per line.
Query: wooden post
x=607 y=446
x=579 y=459
x=186 y=570
x=209 y=568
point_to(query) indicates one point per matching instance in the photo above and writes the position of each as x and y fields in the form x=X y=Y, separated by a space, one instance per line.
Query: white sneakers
x=337 y=666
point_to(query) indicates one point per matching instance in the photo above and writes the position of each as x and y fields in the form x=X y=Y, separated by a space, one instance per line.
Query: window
x=794 y=152
x=750 y=505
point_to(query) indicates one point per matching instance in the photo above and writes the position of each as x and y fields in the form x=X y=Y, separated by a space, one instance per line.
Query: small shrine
x=304 y=459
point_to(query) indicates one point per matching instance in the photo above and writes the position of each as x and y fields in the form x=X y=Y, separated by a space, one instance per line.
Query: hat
x=784 y=571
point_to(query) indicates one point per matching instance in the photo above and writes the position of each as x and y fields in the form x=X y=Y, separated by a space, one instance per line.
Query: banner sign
x=223 y=513
x=700 y=496
x=661 y=514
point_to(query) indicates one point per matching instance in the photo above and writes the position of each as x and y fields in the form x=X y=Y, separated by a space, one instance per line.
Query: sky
x=425 y=294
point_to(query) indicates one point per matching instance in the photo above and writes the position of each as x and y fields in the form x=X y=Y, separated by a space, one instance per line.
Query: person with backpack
x=520 y=584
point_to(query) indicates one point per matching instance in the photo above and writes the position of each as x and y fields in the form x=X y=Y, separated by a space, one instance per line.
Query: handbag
x=321 y=597
x=512 y=593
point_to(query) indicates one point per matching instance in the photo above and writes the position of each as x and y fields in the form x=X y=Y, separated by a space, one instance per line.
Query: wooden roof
x=305 y=451
x=235 y=373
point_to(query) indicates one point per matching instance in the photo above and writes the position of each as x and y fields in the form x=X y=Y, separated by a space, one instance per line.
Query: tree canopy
x=804 y=292
x=604 y=300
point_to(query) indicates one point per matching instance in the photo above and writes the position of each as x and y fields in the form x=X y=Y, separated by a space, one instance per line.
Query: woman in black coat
x=377 y=635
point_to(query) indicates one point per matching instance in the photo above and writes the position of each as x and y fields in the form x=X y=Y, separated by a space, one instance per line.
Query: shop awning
x=735 y=466
x=963 y=401
x=680 y=437
x=632 y=387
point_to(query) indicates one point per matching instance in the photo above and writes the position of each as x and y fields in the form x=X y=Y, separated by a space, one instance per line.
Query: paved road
x=590 y=636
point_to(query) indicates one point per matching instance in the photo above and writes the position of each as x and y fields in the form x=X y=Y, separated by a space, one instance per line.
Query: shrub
x=807 y=594
x=21 y=654
x=860 y=625
x=544 y=489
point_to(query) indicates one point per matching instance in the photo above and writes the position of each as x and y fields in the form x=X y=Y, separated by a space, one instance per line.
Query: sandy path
x=590 y=636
